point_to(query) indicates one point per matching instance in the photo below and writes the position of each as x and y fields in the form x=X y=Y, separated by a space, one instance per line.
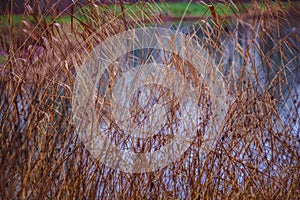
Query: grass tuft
x=256 y=51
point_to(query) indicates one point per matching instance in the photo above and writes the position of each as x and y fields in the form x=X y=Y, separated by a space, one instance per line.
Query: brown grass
x=257 y=153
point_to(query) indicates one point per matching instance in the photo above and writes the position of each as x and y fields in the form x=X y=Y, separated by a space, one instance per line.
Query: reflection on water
x=268 y=62
x=275 y=55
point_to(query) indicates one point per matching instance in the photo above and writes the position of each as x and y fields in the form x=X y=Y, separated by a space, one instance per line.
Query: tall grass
x=257 y=153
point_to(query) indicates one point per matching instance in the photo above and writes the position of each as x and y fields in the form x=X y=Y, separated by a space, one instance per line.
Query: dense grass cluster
x=256 y=155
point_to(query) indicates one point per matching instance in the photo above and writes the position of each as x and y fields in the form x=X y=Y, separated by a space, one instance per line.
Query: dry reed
x=256 y=156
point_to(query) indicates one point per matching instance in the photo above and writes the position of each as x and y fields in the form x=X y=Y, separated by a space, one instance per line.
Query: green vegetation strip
x=174 y=9
x=177 y=9
x=17 y=19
